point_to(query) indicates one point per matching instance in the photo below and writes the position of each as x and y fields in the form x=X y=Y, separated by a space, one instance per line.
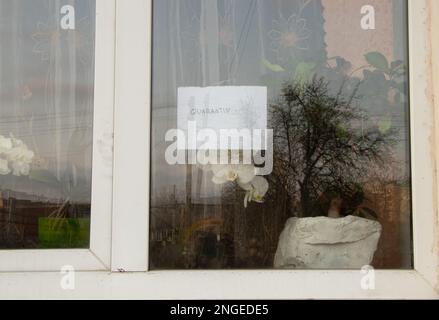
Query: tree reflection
x=323 y=144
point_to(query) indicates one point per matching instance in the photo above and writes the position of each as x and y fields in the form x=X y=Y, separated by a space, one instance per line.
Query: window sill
x=217 y=285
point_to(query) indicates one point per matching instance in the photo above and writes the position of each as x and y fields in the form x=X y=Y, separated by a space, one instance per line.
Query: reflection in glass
x=46 y=113
x=338 y=104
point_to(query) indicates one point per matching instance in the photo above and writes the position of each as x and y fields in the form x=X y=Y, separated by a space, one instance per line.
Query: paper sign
x=223 y=108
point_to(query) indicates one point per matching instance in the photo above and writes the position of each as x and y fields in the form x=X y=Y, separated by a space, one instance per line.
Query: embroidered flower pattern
x=48 y=35
x=44 y=39
x=289 y=35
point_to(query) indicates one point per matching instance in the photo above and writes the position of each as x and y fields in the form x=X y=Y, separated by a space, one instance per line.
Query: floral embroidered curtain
x=230 y=42
x=227 y=42
x=47 y=76
x=46 y=108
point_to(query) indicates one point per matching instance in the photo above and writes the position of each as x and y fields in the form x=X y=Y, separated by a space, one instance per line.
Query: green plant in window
x=272 y=67
x=315 y=160
x=68 y=225
x=318 y=147
x=381 y=88
x=62 y=229
x=63 y=232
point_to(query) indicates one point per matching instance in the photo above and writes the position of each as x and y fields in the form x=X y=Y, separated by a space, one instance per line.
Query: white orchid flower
x=5 y=144
x=17 y=157
x=20 y=168
x=256 y=190
x=20 y=153
x=243 y=174
x=4 y=168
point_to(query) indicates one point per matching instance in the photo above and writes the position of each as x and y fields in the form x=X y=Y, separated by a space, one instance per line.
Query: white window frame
x=132 y=186
x=130 y=277
x=98 y=257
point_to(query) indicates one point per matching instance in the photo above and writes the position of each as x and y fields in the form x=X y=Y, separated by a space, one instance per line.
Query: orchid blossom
x=256 y=190
x=15 y=157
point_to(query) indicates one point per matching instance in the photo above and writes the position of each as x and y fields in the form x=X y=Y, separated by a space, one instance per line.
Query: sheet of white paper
x=222 y=108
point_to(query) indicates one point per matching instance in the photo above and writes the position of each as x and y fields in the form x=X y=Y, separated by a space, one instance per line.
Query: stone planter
x=326 y=243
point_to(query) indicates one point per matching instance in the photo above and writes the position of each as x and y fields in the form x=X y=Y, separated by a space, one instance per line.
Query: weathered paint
x=433 y=7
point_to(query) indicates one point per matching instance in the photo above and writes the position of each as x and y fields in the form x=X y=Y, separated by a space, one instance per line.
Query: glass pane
x=328 y=80
x=46 y=122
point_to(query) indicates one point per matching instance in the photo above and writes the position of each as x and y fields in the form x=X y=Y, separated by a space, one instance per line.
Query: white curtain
x=46 y=89
x=222 y=42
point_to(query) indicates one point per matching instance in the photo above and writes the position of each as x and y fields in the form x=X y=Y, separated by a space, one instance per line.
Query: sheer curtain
x=217 y=43
x=265 y=43
x=46 y=86
x=46 y=114
x=224 y=42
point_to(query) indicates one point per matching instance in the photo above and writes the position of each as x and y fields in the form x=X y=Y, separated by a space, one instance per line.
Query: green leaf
x=384 y=125
x=378 y=61
x=343 y=63
x=396 y=65
x=304 y=72
x=63 y=233
x=272 y=67
x=341 y=132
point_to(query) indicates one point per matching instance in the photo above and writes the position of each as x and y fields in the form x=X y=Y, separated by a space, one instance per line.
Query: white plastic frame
x=98 y=256
x=130 y=277
x=131 y=253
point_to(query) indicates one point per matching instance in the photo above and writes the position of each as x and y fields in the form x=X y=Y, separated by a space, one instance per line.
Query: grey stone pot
x=327 y=243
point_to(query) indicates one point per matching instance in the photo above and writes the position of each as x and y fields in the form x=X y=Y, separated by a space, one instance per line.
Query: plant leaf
x=384 y=125
x=343 y=64
x=272 y=67
x=341 y=132
x=378 y=61
x=396 y=64
x=304 y=72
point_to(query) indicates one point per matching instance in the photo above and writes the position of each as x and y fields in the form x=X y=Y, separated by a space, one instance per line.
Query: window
x=224 y=65
x=337 y=102
x=47 y=87
x=55 y=135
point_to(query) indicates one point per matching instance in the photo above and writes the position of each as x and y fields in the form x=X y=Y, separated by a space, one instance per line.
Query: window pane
x=46 y=113
x=329 y=78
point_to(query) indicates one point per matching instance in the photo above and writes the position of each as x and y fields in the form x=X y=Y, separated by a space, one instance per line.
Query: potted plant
x=63 y=233
x=345 y=235
x=330 y=143
x=63 y=228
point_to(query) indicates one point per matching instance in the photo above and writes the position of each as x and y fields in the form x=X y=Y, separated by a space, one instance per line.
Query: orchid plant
x=15 y=157
x=256 y=187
